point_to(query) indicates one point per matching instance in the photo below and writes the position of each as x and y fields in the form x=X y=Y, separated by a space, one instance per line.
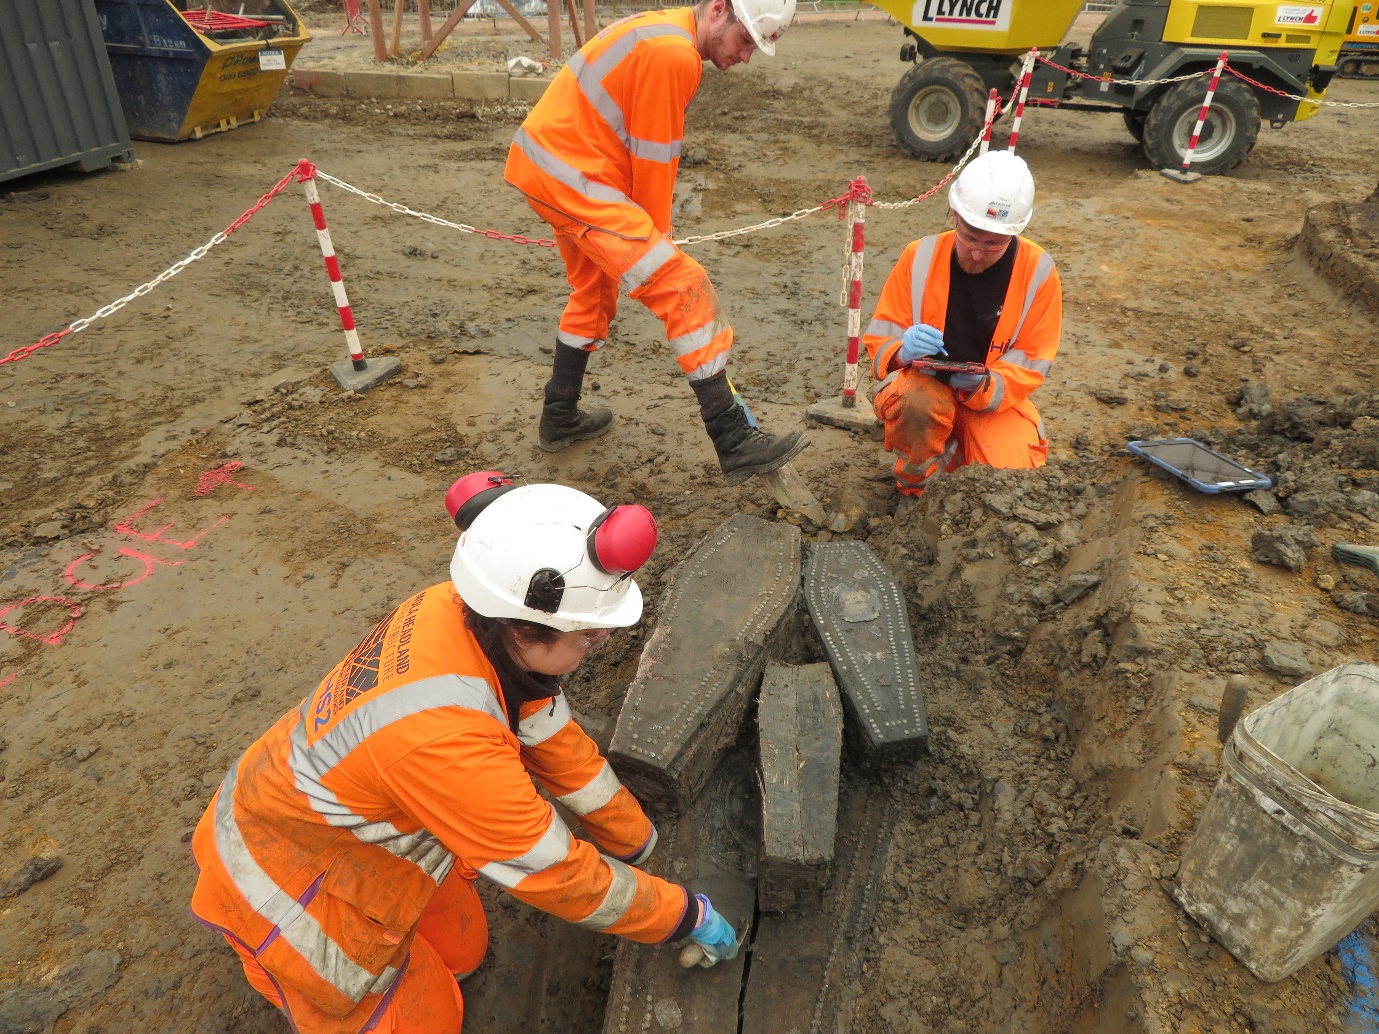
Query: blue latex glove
x=967 y=382
x=920 y=342
x=713 y=934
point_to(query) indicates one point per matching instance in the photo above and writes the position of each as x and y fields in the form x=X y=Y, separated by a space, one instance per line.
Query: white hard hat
x=765 y=20
x=547 y=553
x=994 y=193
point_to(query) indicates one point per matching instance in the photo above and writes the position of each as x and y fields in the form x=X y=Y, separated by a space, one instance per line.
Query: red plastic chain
x=858 y=190
x=1258 y=85
x=303 y=170
x=517 y=238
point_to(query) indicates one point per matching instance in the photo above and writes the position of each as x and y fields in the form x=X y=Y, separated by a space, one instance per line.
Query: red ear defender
x=621 y=539
x=470 y=494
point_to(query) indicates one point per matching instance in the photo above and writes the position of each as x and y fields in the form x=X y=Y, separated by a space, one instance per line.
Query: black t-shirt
x=975 y=302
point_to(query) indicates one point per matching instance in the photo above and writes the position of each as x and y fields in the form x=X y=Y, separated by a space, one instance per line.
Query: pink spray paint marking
x=149 y=561
x=52 y=638
x=126 y=527
x=208 y=482
x=213 y=479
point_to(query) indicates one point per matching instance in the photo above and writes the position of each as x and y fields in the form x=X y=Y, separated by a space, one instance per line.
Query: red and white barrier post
x=356 y=373
x=857 y=226
x=1026 y=74
x=1184 y=175
x=993 y=99
x=846 y=410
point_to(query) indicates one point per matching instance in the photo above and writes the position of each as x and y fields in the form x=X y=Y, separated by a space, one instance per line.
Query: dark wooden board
x=725 y=608
x=800 y=741
x=859 y=613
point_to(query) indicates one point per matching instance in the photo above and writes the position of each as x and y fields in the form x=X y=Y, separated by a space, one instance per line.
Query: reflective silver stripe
x=659 y=254
x=884 y=328
x=382 y=710
x=310 y=763
x=919 y=276
x=594 y=794
x=694 y=340
x=645 y=852
x=545 y=723
x=1015 y=357
x=998 y=393
x=622 y=891
x=573 y=341
x=652 y=151
x=712 y=368
x=1039 y=429
x=296 y=926
x=421 y=848
x=589 y=77
x=563 y=172
x=1043 y=269
x=551 y=849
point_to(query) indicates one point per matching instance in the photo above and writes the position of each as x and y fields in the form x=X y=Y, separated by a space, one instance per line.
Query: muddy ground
x=1073 y=740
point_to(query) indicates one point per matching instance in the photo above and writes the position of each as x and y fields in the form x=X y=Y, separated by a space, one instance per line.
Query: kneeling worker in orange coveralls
x=597 y=158
x=339 y=855
x=978 y=293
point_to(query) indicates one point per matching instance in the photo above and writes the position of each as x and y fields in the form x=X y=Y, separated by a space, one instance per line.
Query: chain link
x=1294 y=97
x=1123 y=82
x=106 y=311
x=435 y=220
x=1205 y=72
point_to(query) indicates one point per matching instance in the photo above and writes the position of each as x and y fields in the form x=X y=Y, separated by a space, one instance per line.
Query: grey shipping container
x=58 y=105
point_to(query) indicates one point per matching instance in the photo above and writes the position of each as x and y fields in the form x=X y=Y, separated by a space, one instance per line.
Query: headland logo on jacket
x=963 y=14
x=383 y=654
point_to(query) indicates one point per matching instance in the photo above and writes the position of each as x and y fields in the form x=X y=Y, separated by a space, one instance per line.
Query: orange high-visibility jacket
x=607 y=131
x=329 y=836
x=1024 y=343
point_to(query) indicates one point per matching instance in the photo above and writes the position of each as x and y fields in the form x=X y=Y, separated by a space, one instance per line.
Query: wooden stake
x=433 y=44
x=424 y=16
x=530 y=29
x=380 y=50
x=398 y=7
x=574 y=23
x=591 y=23
x=553 y=27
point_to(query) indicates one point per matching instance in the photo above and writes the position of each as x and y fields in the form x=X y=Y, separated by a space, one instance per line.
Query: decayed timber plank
x=806 y=964
x=859 y=612
x=712 y=850
x=724 y=607
x=800 y=723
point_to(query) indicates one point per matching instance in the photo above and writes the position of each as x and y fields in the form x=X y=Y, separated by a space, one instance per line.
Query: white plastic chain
x=106 y=311
x=1205 y=72
x=403 y=209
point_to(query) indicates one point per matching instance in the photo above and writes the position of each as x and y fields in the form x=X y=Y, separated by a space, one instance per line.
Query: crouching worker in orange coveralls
x=597 y=159
x=979 y=293
x=339 y=855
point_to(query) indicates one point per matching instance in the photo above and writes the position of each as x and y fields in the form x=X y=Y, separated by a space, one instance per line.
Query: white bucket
x=1285 y=860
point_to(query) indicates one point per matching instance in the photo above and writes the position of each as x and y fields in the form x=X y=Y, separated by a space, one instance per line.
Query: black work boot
x=743 y=450
x=562 y=421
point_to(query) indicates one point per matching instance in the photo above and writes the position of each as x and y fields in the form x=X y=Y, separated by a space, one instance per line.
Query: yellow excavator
x=961 y=49
x=1360 y=49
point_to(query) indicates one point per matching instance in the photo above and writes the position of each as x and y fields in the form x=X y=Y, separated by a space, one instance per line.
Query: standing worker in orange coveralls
x=339 y=855
x=979 y=293
x=597 y=159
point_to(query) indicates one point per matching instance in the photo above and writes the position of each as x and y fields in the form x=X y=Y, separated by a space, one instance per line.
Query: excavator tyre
x=1229 y=134
x=937 y=108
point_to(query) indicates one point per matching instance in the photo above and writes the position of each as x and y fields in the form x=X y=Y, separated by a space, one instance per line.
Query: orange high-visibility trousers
x=451 y=940
x=928 y=428
x=654 y=272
